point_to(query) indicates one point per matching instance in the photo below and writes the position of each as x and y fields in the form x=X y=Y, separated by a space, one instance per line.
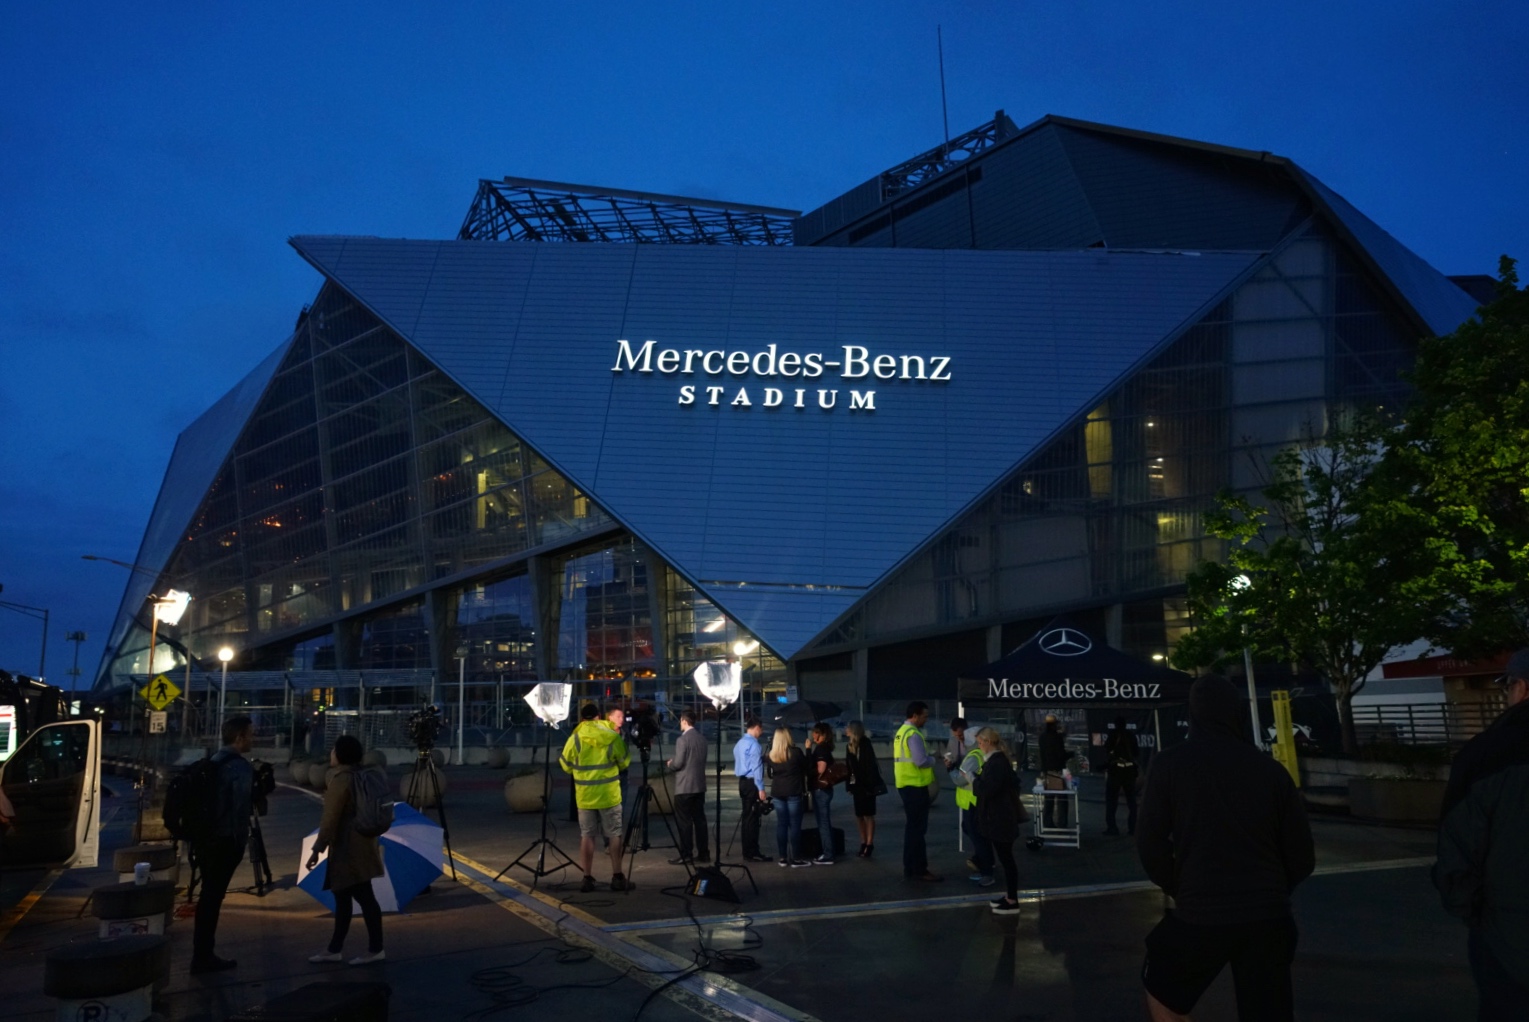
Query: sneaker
x=588 y=885
x=981 y=879
x=757 y=858
x=822 y=860
x=368 y=958
x=927 y=877
x=326 y=956
x=618 y=882
x=1005 y=907
x=782 y=863
x=798 y=863
x=971 y=864
x=703 y=858
x=680 y=861
x=212 y=963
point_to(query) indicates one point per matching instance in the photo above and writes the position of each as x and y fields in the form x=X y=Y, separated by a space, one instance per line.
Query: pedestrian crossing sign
x=160 y=692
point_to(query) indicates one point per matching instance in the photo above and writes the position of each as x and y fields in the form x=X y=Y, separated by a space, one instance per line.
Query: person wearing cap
x=1484 y=846
x=1224 y=833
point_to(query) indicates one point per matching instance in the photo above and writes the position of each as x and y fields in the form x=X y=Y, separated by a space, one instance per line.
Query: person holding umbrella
x=354 y=859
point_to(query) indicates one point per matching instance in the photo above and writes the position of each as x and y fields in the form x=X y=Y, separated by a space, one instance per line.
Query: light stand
x=542 y=844
x=549 y=701
x=721 y=682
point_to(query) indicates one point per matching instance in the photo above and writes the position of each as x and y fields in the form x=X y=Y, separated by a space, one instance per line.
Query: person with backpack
x=349 y=831
x=217 y=826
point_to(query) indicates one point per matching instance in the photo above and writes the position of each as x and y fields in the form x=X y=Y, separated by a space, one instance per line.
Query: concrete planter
x=1395 y=799
x=523 y=794
x=498 y=757
x=376 y=758
x=297 y=769
x=318 y=775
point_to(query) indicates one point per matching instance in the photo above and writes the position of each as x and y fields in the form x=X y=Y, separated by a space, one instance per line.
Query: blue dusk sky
x=154 y=159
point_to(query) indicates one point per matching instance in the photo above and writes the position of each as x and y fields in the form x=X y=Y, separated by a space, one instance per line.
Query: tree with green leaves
x=1456 y=479
x=1311 y=575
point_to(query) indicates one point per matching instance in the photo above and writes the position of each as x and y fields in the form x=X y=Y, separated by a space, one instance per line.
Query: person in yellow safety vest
x=982 y=858
x=595 y=754
x=913 y=768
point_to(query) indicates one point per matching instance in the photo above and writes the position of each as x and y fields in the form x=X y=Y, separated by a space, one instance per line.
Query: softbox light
x=550 y=700
x=719 y=681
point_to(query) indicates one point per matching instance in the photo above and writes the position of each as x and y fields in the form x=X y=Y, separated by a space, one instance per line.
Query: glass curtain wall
x=698 y=631
x=496 y=630
x=605 y=614
x=363 y=474
x=1111 y=509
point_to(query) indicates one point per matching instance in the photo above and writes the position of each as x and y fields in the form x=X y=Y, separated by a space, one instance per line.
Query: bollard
x=163 y=860
x=107 y=980
x=130 y=909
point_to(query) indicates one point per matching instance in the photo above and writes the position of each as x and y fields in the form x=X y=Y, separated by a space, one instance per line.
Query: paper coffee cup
x=140 y=873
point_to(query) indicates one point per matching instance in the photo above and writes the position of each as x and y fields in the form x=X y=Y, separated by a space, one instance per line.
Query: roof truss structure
x=522 y=209
x=909 y=174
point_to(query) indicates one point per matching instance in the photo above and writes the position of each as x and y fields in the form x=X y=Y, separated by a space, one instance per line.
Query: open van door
x=54 y=782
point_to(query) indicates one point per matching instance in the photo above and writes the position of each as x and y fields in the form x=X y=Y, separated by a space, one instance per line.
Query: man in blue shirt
x=748 y=767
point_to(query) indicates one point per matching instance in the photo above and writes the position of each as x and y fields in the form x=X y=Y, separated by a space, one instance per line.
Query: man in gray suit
x=689 y=791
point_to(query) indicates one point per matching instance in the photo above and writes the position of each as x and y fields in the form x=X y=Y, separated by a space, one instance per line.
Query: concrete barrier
x=109 y=980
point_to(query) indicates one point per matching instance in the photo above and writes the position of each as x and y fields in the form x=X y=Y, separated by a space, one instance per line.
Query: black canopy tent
x=1062 y=666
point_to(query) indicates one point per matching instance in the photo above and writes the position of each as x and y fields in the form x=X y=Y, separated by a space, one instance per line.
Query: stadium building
x=605 y=435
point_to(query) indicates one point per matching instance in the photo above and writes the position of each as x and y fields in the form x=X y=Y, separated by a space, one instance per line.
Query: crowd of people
x=1221 y=828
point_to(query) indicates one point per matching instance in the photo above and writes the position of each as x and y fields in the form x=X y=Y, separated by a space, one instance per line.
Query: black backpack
x=191 y=801
x=374 y=802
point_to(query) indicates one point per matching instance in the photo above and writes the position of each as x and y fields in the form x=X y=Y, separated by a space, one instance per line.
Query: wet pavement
x=849 y=942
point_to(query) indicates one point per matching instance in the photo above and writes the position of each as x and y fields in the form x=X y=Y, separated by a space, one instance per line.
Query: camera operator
x=689 y=792
x=220 y=852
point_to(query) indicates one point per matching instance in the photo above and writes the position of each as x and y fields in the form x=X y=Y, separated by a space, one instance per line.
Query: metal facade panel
x=199 y=453
x=732 y=493
x=791 y=618
x=1029 y=197
x=1436 y=299
x=1155 y=195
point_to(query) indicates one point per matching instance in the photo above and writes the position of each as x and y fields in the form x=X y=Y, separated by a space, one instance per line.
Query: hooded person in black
x=1223 y=831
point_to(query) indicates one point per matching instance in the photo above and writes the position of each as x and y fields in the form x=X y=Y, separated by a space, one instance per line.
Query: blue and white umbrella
x=412 y=852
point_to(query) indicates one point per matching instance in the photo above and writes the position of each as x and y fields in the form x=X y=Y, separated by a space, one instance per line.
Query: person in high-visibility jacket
x=595 y=754
x=913 y=768
x=981 y=861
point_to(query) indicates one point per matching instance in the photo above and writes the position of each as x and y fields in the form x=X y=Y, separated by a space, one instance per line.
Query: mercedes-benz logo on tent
x=1065 y=642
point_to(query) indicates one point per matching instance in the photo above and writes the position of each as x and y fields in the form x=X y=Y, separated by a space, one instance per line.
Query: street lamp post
x=225 y=655
x=77 y=638
x=1242 y=584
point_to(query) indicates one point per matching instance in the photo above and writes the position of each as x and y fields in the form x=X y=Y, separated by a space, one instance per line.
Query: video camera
x=424 y=727
x=642 y=728
x=264 y=784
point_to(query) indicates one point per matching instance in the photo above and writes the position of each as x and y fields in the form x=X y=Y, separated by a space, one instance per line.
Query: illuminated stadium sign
x=854 y=362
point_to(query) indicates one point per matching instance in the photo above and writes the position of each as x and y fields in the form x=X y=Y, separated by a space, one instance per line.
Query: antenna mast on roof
x=939 y=42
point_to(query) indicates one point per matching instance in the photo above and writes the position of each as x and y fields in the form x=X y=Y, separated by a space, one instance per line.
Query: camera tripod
x=543 y=844
x=258 y=860
x=641 y=814
x=425 y=783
